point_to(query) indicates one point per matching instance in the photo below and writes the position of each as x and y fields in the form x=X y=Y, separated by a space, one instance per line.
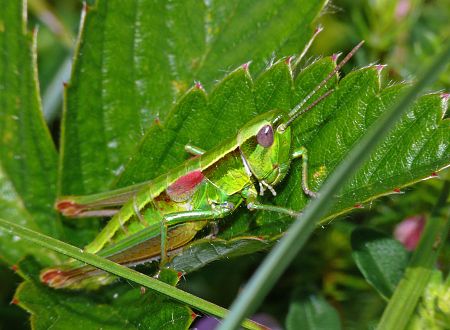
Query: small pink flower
x=402 y=9
x=409 y=230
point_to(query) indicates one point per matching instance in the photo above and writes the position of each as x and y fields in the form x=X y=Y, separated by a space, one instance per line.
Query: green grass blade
x=285 y=251
x=109 y=266
x=404 y=300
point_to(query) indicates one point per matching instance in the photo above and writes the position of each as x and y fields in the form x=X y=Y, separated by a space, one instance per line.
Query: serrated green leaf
x=381 y=259
x=328 y=132
x=135 y=57
x=117 y=308
x=27 y=153
x=312 y=313
x=184 y=127
x=90 y=159
x=110 y=104
x=416 y=148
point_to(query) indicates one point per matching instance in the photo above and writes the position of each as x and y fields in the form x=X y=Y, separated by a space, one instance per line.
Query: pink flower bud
x=409 y=230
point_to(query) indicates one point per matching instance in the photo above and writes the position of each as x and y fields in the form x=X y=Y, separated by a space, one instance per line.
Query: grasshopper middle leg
x=219 y=211
x=272 y=208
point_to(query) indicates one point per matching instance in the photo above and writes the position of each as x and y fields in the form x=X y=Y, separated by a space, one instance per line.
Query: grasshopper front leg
x=302 y=153
x=253 y=204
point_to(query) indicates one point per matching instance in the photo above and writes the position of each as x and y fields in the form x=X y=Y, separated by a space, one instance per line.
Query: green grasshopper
x=160 y=216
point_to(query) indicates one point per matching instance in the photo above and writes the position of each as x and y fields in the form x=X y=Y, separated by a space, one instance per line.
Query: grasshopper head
x=265 y=149
x=265 y=141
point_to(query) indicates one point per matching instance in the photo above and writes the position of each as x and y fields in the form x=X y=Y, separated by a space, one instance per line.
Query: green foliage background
x=331 y=272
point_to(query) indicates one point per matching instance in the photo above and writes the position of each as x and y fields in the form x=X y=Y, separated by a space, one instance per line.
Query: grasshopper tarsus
x=214 y=230
x=68 y=208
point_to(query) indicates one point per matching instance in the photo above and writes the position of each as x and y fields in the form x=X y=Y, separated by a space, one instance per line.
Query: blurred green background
x=404 y=34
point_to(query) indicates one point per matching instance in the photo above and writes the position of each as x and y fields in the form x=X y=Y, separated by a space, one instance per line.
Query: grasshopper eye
x=265 y=136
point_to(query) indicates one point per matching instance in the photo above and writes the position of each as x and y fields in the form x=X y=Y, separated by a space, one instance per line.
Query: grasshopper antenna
x=295 y=112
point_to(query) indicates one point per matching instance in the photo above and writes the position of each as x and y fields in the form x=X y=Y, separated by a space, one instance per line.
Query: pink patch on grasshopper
x=184 y=187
